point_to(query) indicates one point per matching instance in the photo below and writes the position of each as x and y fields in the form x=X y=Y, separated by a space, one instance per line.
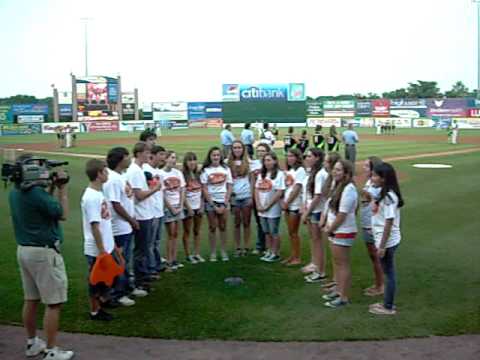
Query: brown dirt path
x=465 y=347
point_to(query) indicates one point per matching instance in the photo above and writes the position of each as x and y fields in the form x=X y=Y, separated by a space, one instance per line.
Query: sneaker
x=163 y=260
x=331 y=296
x=179 y=265
x=256 y=252
x=57 y=354
x=273 y=258
x=36 y=347
x=126 y=301
x=246 y=251
x=381 y=310
x=101 y=316
x=337 y=303
x=225 y=256
x=154 y=276
x=192 y=260
x=137 y=292
x=266 y=255
x=315 y=277
x=310 y=268
x=199 y=258
x=213 y=258
x=238 y=253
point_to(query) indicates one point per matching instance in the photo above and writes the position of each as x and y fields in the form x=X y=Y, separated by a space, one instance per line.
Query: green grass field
x=437 y=264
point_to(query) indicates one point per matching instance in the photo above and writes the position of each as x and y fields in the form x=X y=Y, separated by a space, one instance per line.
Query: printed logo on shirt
x=265 y=185
x=105 y=213
x=217 y=178
x=172 y=183
x=194 y=186
x=289 y=180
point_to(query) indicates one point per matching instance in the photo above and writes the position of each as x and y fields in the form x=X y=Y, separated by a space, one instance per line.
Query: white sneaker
x=139 y=292
x=213 y=258
x=192 y=260
x=38 y=346
x=199 y=258
x=225 y=256
x=126 y=301
x=267 y=255
x=57 y=354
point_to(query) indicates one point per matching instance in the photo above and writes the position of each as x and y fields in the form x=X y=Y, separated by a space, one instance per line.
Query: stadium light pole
x=477 y=2
x=85 y=23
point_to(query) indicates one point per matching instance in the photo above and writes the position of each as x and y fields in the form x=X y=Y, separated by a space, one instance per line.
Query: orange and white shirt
x=292 y=178
x=266 y=189
x=194 y=193
x=173 y=183
x=216 y=178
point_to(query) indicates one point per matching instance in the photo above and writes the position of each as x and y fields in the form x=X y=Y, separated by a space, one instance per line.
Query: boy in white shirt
x=97 y=232
x=143 y=212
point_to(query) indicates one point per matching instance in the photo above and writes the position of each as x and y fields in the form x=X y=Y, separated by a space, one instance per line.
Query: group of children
x=129 y=201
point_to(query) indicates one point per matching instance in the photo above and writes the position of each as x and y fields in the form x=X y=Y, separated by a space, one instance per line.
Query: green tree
x=458 y=90
x=396 y=94
x=423 y=89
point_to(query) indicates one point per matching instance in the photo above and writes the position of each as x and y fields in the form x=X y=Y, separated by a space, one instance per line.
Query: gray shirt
x=350 y=137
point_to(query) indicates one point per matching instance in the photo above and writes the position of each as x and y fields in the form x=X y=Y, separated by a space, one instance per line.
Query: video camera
x=33 y=171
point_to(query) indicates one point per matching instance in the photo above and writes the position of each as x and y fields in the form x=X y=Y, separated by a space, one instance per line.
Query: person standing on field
x=350 y=139
x=227 y=139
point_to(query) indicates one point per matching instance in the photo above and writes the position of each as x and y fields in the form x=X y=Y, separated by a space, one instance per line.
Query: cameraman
x=36 y=213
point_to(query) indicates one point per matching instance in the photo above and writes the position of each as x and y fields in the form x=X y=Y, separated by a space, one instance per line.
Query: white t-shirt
x=366 y=207
x=137 y=179
x=157 y=198
x=241 y=185
x=387 y=209
x=266 y=190
x=216 y=178
x=95 y=209
x=194 y=193
x=118 y=189
x=320 y=180
x=348 y=205
x=256 y=167
x=173 y=183
x=292 y=178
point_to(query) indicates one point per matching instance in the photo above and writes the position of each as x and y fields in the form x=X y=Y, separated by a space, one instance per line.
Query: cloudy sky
x=184 y=50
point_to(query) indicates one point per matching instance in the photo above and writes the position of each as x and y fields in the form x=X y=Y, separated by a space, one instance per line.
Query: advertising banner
x=408 y=113
x=325 y=122
x=423 y=123
x=363 y=108
x=408 y=104
x=398 y=122
x=263 y=92
x=206 y=123
x=448 y=107
x=28 y=119
x=366 y=122
x=339 y=104
x=65 y=98
x=128 y=98
x=440 y=122
x=296 y=92
x=133 y=125
x=30 y=109
x=5 y=115
x=65 y=109
x=474 y=112
x=170 y=111
x=467 y=123
x=381 y=107
x=337 y=113
x=314 y=108
x=231 y=92
x=51 y=128
x=20 y=129
x=98 y=118
x=128 y=109
x=99 y=126
x=204 y=110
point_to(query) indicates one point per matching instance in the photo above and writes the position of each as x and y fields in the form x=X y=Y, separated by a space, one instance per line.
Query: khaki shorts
x=43 y=274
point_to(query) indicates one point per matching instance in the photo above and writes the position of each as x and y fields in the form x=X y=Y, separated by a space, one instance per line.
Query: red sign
x=97 y=126
x=474 y=112
x=381 y=107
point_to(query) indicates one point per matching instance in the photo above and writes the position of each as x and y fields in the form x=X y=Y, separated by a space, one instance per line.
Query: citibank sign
x=262 y=92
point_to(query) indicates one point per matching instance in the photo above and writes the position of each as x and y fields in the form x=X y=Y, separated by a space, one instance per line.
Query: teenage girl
x=241 y=201
x=386 y=231
x=216 y=180
x=173 y=184
x=369 y=193
x=292 y=204
x=269 y=189
x=193 y=213
x=341 y=227
x=314 y=204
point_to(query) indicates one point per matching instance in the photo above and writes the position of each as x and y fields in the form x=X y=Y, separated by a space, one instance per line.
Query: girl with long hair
x=193 y=213
x=369 y=193
x=341 y=229
x=241 y=201
x=386 y=231
x=174 y=198
x=269 y=189
x=292 y=204
x=216 y=179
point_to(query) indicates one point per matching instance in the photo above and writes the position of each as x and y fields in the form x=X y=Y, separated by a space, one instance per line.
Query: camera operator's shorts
x=43 y=274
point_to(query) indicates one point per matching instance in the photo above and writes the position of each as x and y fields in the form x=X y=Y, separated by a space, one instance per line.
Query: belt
x=43 y=246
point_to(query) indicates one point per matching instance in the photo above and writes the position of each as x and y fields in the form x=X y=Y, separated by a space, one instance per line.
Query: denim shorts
x=210 y=208
x=169 y=217
x=315 y=217
x=293 y=212
x=367 y=235
x=342 y=241
x=241 y=203
x=270 y=225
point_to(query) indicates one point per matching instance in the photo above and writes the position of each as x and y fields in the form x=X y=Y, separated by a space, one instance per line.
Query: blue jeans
x=143 y=241
x=122 y=286
x=260 y=244
x=154 y=254
x=388 y=266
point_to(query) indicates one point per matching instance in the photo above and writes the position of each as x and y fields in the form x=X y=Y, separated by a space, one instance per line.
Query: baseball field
x=437 y=263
